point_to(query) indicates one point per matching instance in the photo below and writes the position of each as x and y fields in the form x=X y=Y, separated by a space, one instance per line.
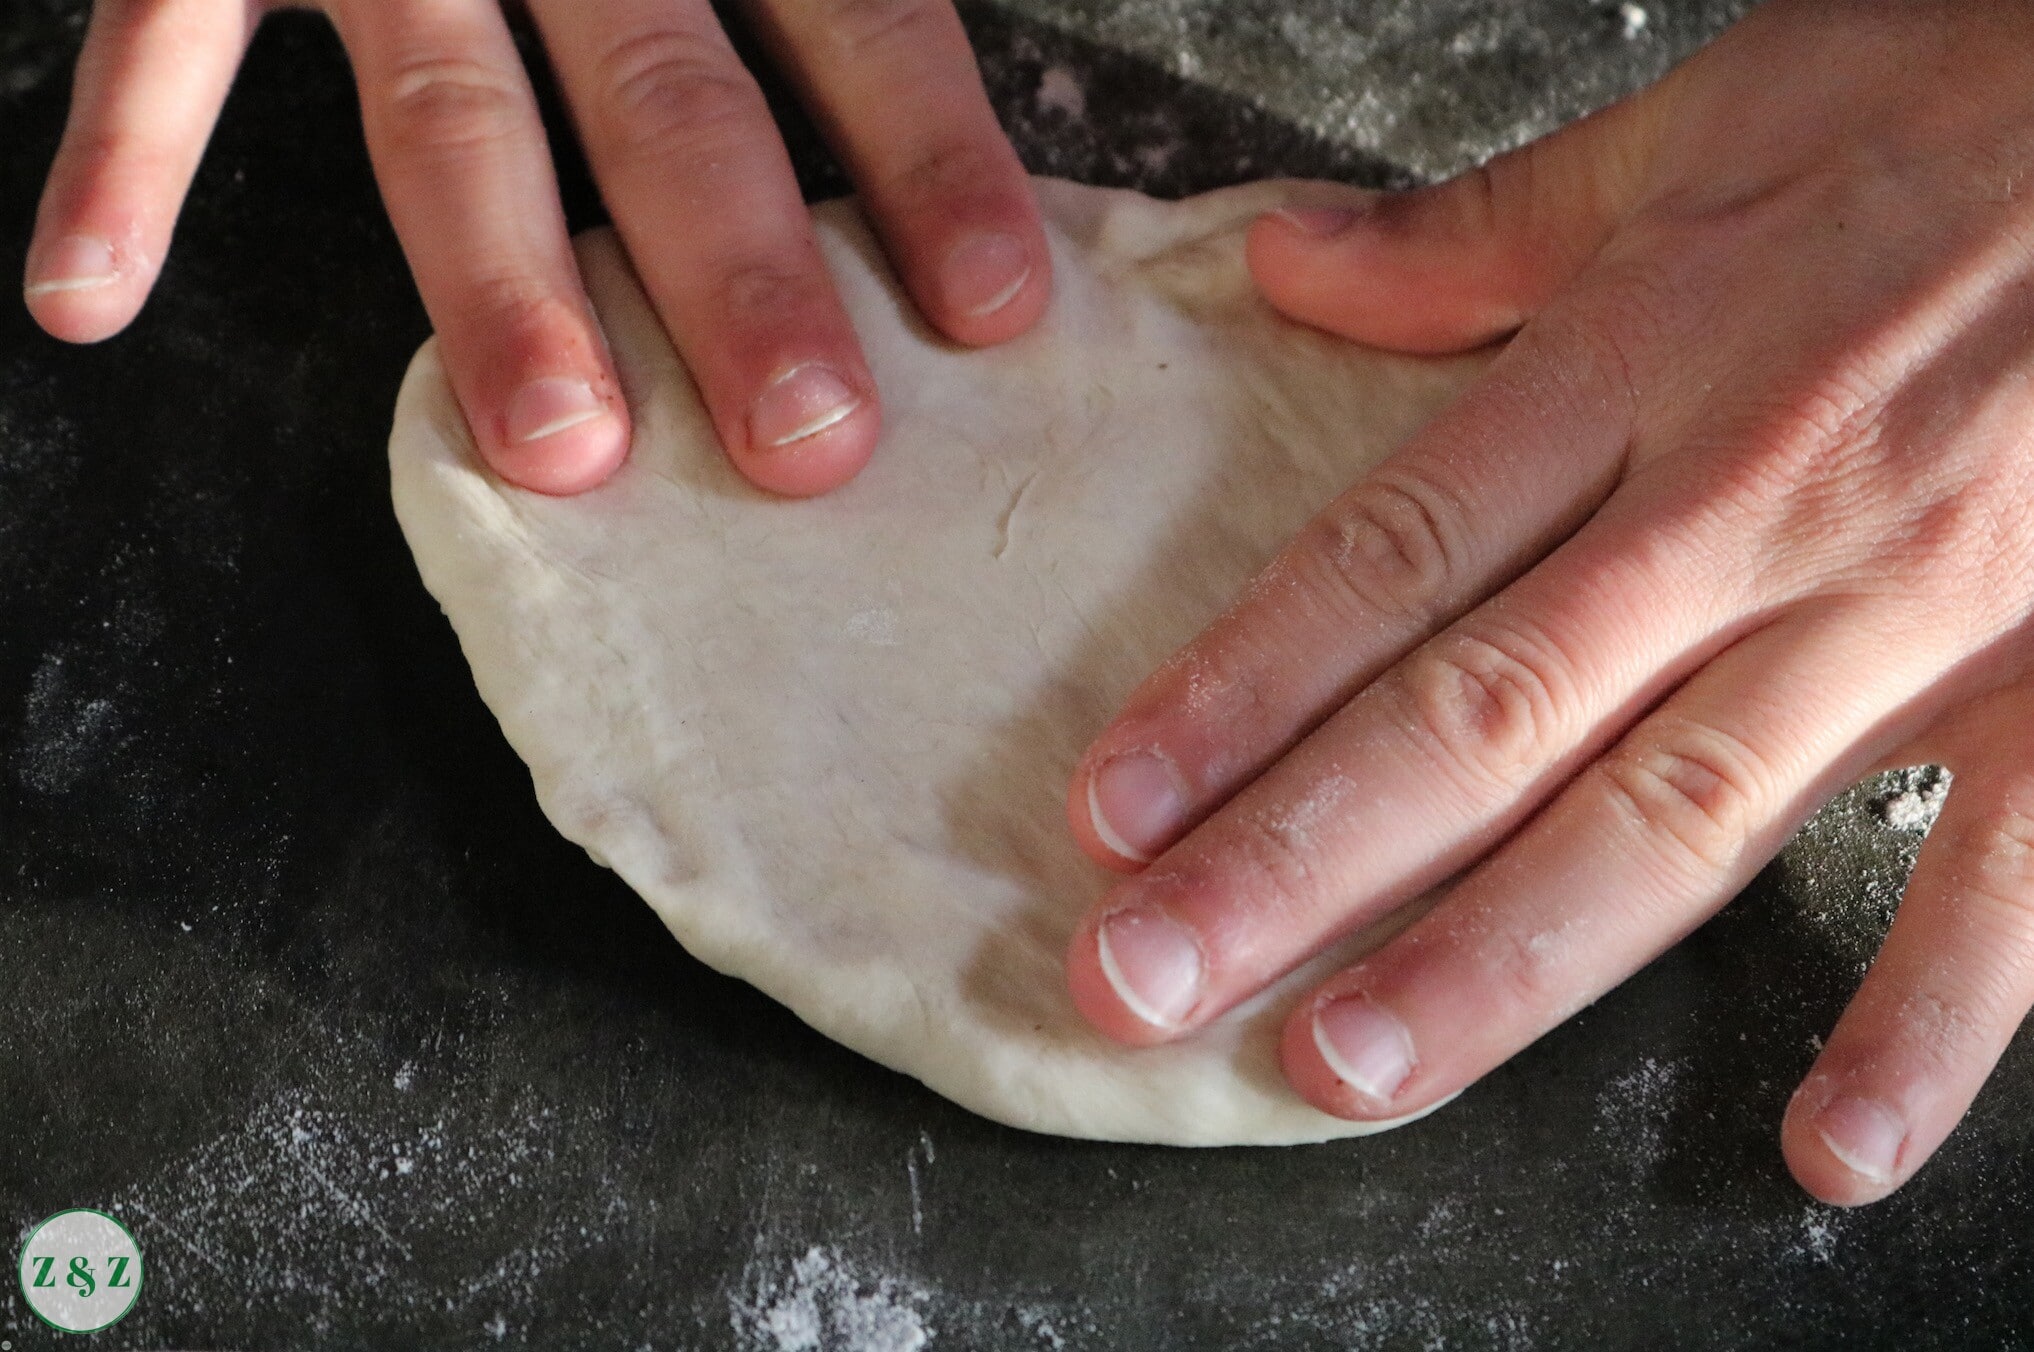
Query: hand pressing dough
x=829 y=741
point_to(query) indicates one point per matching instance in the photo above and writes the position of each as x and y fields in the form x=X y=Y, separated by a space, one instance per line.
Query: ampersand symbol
x=81 y=1276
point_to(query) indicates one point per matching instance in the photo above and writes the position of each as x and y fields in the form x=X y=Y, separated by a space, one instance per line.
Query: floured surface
x=829 y=741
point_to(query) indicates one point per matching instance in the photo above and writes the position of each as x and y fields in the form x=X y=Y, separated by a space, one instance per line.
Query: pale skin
x=688 y=160
x=1744 y=508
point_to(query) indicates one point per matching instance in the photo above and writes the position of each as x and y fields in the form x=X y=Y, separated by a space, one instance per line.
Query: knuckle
x=1268 y=862
x=1219 y=703
x=513 y=309
x=859 y=27
x=1943 y=1025
x=1383 y=547
x=768 y=292
x=1826 y=418
x=1959 y=1010
x=451 y=102
x=1999 y=881
x=1268 y=865
x=97 y=152
x=670 y=85
x=1527 y=969
x=2004 y=841
x=1961 y=558
x=1966 y=544
x=947 y=172
x=1490 y=704
x=1777 y=472
x=1839 y=407
x=1696 y=790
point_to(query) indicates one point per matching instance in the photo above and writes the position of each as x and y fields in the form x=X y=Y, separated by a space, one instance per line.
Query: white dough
x=829 y=741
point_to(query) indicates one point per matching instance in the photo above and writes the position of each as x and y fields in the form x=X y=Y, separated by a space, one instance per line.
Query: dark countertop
x=296 y=979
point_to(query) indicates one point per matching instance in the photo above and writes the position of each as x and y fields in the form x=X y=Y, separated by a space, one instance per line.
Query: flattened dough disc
x=829 y=740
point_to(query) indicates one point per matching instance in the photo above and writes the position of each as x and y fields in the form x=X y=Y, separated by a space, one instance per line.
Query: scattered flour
x=825 y=1304
x=1846 y=869
x=1299 y=824
x=1479 y=38
x=1634 y=1111
x=65 y=735
x=1410 y=82
x=1060 y=91
x=1040 y=1326
x=1914 y=799
x=1819 y=1233
x=261 y=1209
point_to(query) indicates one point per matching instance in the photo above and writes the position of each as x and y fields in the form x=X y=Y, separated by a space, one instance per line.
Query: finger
x=151 y=79
x=1952 y=982
x=702 y=194
x=1456 y=265
x=1424 y=772
x=1642 y=847
x=894 y=85
x=1479 y=495
x=459 y=148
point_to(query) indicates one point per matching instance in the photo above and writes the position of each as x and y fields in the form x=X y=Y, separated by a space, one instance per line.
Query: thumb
x=1461 y=263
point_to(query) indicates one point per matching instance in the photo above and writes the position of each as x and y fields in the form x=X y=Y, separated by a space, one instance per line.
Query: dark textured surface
x=1431 y=86
x=294 y=976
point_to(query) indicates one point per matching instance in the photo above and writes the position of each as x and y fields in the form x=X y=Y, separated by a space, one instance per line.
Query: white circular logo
x=80 y=1271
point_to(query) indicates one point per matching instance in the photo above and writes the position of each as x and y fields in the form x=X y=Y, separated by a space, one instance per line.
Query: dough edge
x=433 y=460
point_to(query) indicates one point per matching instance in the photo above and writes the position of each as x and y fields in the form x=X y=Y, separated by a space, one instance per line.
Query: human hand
x=690 y=164
x=1745 y=508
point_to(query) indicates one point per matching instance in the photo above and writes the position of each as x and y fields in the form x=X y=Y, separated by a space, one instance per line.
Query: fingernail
x=1135 y=805
x=73 y=263
x=1368 y=1049
x=1321 y=221
x=983 y=273
x=803 y=402
x=1152 y=962
x=544 y=408
x=1863 y=1133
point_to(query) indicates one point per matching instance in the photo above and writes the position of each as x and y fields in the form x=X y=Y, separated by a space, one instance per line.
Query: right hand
x=1744 y=509
x=688 y=160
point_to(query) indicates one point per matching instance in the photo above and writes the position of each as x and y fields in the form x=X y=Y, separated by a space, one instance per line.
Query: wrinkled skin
x=689 y=162
x=1740 y=512
x=1744 y=509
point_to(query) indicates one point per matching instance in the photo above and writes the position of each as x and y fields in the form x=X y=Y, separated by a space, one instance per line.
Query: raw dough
x=829 y=740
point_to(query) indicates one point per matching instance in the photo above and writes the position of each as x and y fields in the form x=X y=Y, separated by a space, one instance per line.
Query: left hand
x=1744 y=509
